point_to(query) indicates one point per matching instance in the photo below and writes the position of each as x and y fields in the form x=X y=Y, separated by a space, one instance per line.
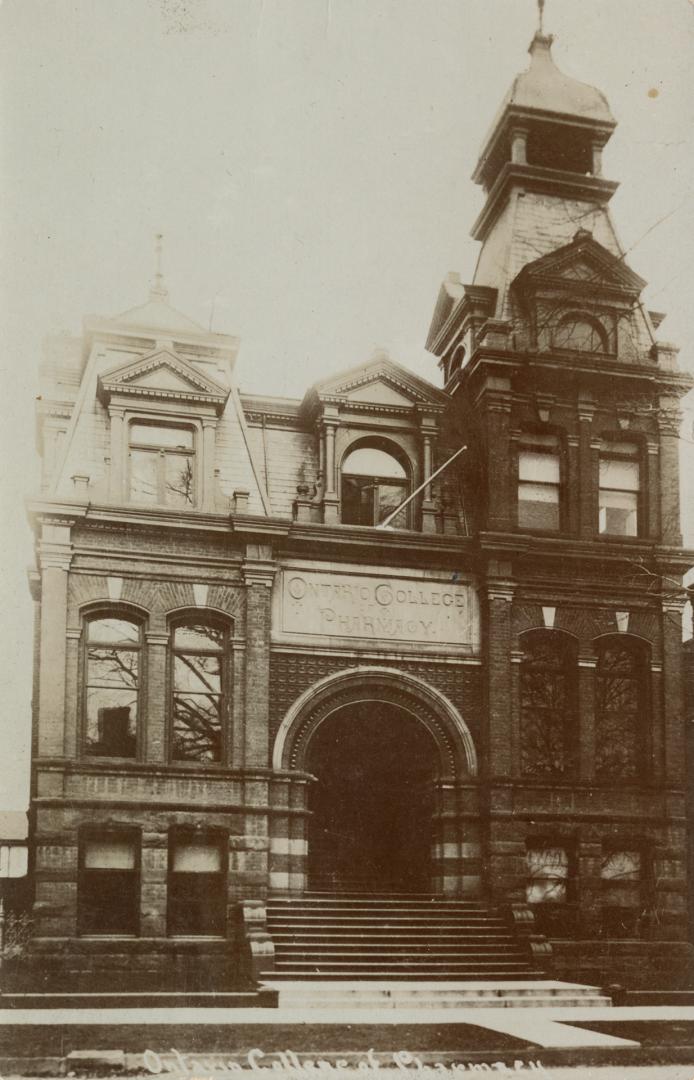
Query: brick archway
x=454 y=861
x=370 y=683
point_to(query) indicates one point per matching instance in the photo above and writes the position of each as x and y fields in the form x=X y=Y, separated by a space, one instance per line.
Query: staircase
x=385 y=938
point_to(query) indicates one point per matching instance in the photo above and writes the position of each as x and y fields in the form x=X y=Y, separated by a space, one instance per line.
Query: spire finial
x=541 y=14
x=158 y=290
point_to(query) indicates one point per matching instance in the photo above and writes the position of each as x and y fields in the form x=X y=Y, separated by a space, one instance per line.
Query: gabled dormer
x=162 y=375
x=163 y=417
x=148 y=417
x=581 y=299
x=377 y=426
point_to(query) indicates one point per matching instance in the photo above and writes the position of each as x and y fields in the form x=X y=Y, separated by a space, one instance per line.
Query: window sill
x=197 y=937
x=108 y=937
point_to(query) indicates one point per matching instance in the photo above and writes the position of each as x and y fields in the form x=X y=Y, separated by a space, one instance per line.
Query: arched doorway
x=373 y=801
x=369 y=745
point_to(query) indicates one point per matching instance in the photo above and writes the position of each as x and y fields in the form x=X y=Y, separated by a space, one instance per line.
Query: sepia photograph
x=348 y=539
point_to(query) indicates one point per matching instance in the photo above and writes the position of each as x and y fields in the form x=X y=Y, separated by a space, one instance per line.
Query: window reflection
x=198 y=668
x=162 y=465
x=112 y=679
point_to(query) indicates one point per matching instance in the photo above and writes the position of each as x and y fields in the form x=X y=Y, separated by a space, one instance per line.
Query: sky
x=308 y=162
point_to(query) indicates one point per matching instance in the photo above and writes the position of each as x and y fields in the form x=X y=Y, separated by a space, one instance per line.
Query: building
x=246 y=688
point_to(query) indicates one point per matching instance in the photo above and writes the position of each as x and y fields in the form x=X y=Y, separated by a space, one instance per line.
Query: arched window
x=580 y=332
x=199 y=690
x=548 y=703
x=374 y=483
x=112 y=681
x=621 y=707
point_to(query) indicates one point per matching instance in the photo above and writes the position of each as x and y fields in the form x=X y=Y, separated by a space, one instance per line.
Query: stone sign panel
x=378 y=608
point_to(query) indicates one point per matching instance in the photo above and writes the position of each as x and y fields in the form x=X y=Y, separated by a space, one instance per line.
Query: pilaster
x=258 y=572
x=587 y=510
x=209 y=425
x=501 y=500
x=499 y=677
x=155 y=741
x=673 y=698
x=669 y=423
x=54 y=557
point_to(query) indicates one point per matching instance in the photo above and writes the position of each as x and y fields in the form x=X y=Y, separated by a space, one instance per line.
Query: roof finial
x=158 y=290
x=541 y=11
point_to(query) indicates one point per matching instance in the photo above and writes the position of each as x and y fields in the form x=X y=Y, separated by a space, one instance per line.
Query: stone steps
x=399 y=937
x=482 y=994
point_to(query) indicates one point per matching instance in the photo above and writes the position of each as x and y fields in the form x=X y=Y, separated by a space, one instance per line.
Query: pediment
x=380 y=382
x=379 y=392
x=583 y=263
x=162 y=374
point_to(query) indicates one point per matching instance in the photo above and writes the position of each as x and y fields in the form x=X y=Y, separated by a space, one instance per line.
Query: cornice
x=519 y=116
x=595 y=364
x=547 y=181
x=202 y=389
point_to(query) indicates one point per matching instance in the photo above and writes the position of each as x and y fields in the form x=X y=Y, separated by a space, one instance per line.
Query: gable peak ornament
x=158 y=290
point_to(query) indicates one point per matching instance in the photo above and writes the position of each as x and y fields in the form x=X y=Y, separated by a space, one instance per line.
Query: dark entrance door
x=372 y=804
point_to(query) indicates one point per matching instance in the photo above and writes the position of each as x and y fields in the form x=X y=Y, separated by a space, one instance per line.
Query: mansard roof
x=157 y=314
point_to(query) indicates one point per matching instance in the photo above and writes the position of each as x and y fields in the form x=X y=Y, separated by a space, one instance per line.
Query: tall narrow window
x=620 y=484
x=622 y=899
x=197 y=883
x=162 y=465
x=374 y=483
x=108 y=892
x=621 y=707
x=112 y=664
x=539 y=483
x=198 y=693
x=547 y=703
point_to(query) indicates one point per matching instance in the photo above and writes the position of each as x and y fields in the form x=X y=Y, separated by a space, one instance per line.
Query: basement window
x=197 y=885
x=621 y=893
x=548 y=872
x=108 y=889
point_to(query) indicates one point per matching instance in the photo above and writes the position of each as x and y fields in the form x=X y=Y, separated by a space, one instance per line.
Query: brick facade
x=543 y=660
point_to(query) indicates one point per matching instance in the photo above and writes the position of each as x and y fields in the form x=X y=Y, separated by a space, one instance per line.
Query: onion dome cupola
x=548 y=134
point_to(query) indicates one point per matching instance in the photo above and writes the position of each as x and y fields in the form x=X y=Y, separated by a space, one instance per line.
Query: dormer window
x=374 y=483
x=162 y=464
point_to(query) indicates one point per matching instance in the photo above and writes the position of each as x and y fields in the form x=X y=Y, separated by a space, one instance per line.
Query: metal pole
x=384 y=524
